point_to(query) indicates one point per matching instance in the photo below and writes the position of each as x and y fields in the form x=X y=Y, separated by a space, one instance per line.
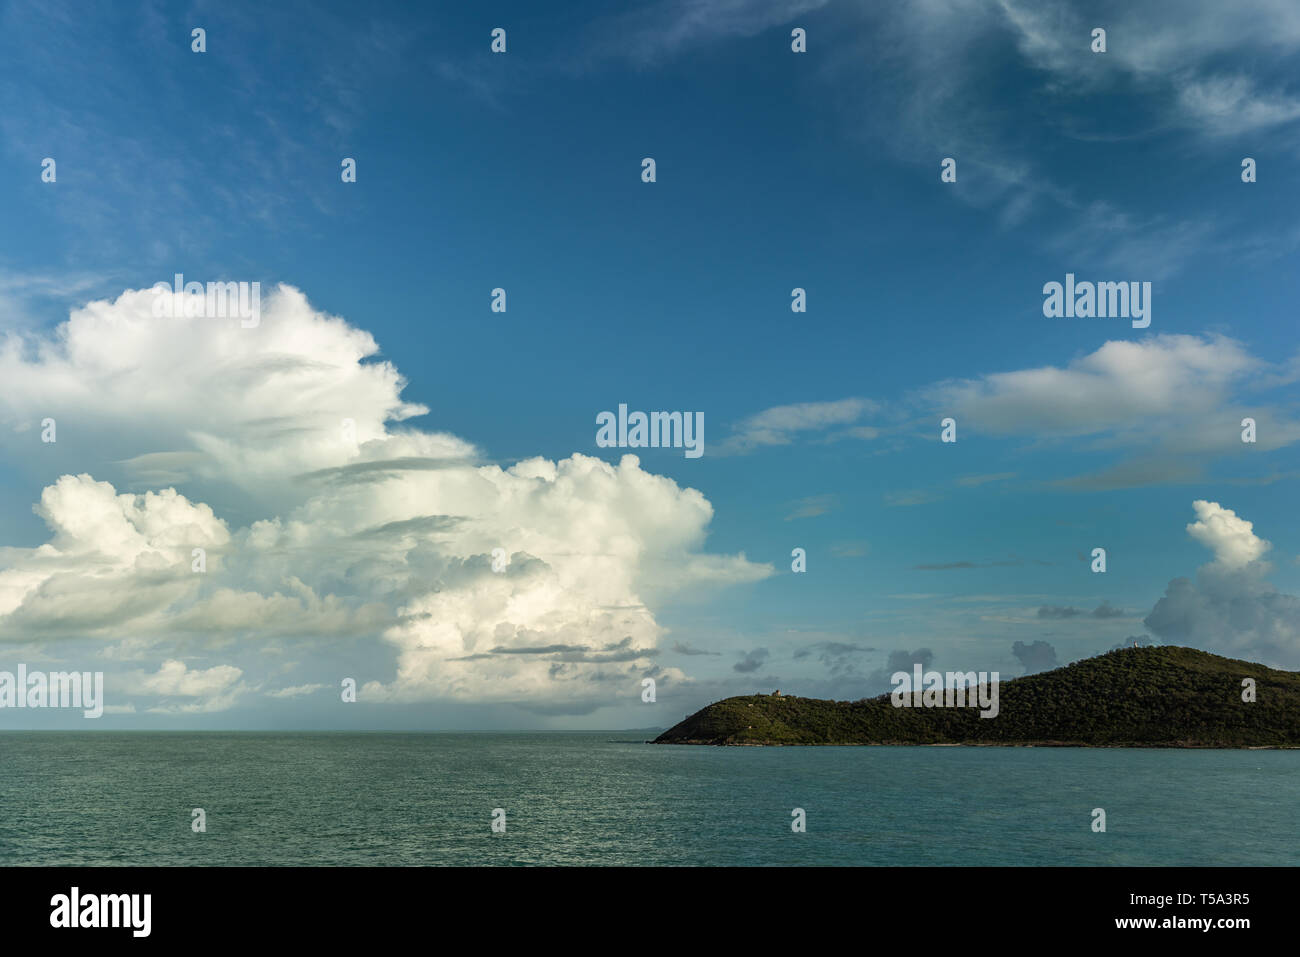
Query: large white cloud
x=389 y=537
x=1122 y=385
x=112 y=559
x=1174 y=403
x=183 y=398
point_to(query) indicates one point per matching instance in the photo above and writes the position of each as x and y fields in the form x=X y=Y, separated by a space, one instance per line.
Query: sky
x=351 y=463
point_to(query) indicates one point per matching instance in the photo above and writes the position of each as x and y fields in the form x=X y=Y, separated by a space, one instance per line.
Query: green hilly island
x=1166 y=697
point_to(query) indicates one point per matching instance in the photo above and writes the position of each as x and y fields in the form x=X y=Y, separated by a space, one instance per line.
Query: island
x=1140 y=697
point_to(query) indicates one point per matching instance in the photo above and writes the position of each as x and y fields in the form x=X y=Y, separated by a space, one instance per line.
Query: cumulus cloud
x=841 y=658
x=175 y=678
x=751 y=661
x=898 y=660
x=364 y=531
x=113 y=559
x=202 y=398
x=186 y=690
x=1229 y=609
x=1035 y=656
x=1232 y=539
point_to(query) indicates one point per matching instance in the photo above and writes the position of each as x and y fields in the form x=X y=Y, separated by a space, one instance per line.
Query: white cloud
x=388 y=539
x=1120 y=385
x=1171 y=403
x=1229 y=105
x=1232 y=539
x=1168 y=394
x=199 y=690
x=1230 y=609
x=112 y=559
x=1116 y=239
x=917 y=79
x=201 y=398
x=782 y=424
x=1174 y=403
x=1170 y=58
x=175 y=678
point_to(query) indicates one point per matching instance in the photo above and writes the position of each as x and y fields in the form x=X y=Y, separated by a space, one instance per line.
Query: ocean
x=607 y=798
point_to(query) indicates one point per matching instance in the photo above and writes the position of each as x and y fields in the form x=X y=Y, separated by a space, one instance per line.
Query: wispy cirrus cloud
x=813 y=506
x=295 y=691
x=784 y=424
x=664 y=29
x=935 y=92
x=1066 y=612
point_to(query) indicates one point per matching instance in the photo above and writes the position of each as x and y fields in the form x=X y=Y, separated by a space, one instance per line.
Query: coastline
x=1132 y=745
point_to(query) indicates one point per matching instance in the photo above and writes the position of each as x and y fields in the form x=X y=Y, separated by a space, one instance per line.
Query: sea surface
x=124 y=798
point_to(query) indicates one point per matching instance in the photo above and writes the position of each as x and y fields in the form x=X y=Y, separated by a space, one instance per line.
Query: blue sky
x=775 y=170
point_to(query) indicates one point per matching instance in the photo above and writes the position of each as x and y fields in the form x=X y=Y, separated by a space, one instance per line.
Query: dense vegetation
x=1138 y=697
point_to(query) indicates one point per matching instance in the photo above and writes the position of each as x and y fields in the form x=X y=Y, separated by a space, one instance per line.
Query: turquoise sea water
x=602 y=798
